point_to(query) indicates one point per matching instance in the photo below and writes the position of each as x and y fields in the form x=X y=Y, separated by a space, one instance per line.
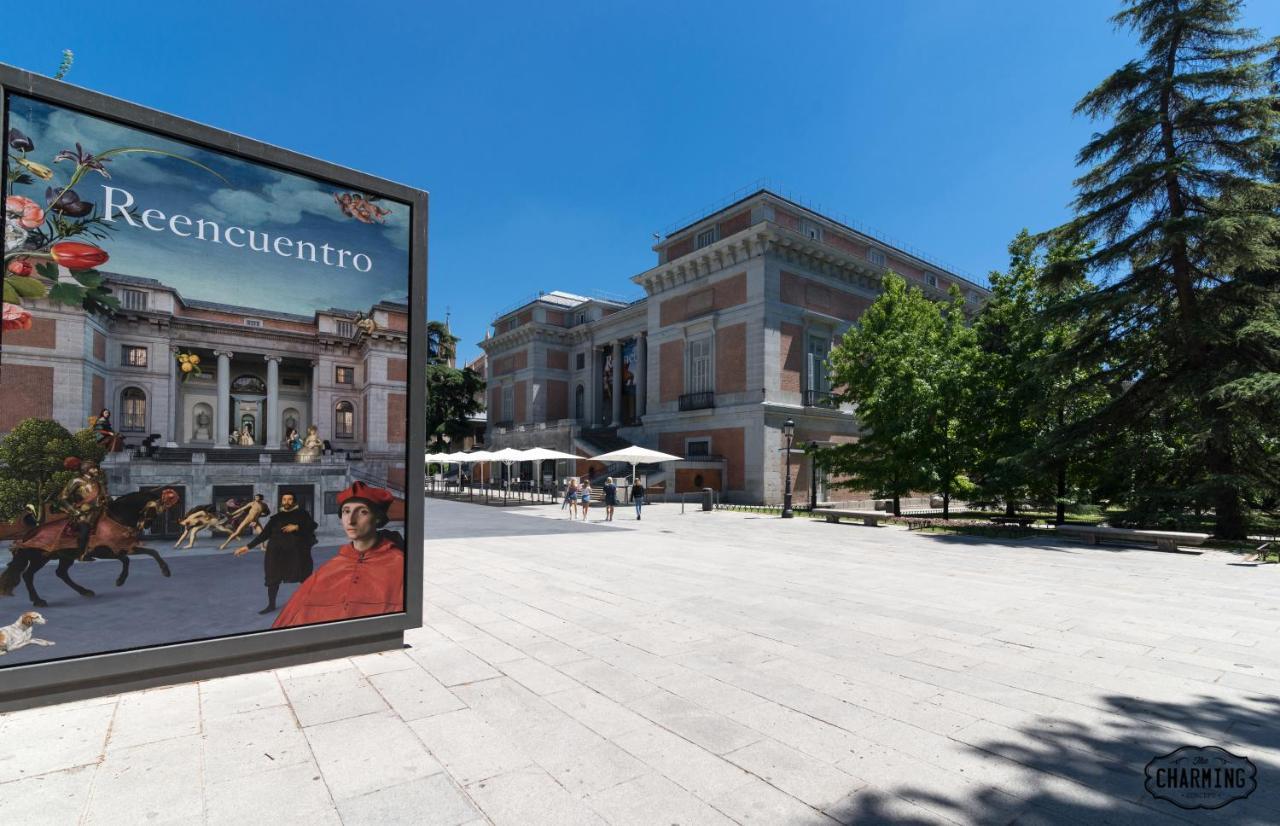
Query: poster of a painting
x=203 y=391
x=629 y=380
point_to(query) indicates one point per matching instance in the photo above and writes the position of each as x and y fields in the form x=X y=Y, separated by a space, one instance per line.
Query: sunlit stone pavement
x=709 y=668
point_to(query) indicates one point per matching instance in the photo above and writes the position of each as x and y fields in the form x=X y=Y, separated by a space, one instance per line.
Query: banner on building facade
x=205 y=388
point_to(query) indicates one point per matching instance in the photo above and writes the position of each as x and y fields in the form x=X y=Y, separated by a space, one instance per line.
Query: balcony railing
x=821 y=398
x=697 y=401
x=507 y=424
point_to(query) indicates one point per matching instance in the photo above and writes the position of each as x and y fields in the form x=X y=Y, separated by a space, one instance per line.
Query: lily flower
x=85 y=159
x=41 y=171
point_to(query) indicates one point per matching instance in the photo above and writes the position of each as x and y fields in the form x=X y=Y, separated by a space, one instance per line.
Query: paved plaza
x=709 y=668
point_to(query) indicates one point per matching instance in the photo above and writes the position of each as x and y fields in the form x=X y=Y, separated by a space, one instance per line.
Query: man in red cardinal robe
x=365 y=578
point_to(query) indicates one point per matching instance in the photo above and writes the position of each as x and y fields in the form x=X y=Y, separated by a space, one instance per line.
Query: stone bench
x=1165 y=540
x=869 y=518
x=1020 y=521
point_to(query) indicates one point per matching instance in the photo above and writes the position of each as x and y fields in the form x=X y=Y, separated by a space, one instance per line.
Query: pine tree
x=1184 y=229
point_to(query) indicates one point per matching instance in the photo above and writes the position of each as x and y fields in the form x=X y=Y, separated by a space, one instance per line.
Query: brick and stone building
x=728 y=343
x=261 y=370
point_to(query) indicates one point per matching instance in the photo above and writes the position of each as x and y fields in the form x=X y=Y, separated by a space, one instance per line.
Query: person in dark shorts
x=584 y=497
x=610 y=498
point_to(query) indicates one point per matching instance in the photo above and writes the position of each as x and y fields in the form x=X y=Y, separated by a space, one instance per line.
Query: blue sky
x=556 y=137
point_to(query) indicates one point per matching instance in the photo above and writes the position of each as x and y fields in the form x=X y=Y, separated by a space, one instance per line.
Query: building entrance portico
x=244 y=399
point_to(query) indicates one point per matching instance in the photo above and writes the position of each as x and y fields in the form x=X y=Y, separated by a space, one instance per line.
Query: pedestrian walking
x=637 y=497
x=610 y=498
x=571 y=497
x=584 y=497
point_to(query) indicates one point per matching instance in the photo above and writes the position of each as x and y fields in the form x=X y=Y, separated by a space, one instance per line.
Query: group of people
x=577 y=494
x=365 y=578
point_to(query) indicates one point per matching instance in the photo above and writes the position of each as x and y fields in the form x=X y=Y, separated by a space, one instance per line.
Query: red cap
x=359 y=491
x=71 y=463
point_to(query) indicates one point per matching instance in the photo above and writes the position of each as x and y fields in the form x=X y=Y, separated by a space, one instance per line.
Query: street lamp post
x=813 y=477
x=789 y=431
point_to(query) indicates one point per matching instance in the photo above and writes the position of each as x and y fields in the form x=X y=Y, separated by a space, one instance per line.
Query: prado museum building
x=729 y=342
x=220 y=431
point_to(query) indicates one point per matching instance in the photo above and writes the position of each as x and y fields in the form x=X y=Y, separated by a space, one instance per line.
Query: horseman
x=84 y=499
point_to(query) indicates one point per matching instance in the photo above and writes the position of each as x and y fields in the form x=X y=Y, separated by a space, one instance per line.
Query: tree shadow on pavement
x=1053 y=758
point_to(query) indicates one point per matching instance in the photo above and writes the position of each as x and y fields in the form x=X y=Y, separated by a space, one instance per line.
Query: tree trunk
x=946 y=504
x=1061 y=516
x=897 y=504
x=1009 y=508
x=1228 y=508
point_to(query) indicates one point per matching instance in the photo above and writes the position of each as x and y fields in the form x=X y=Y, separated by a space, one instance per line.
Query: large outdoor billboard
x=204 y=387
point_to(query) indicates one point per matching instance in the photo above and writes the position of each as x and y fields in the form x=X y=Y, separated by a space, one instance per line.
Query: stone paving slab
x=708 y=668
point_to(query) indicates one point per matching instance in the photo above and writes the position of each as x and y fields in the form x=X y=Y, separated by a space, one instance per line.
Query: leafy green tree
x=1029 y=396
x=882 y=365
x=453 y=394
x=948 y=437
x=31 y=465
x=1184 y=229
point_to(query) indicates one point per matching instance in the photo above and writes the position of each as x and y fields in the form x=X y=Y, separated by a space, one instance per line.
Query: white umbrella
x=539 y=454
x=636 y=455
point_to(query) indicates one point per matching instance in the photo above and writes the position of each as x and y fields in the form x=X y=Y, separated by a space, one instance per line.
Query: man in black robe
x=290 y=535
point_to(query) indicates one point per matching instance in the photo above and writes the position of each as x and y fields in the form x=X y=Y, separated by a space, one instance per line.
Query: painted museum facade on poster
x=729 y=342
x=260 y=373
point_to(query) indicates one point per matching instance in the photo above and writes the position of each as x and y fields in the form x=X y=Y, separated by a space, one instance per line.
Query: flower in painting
x=41 y=171
x=77 y=256
x=68 y=203
x=19 y=141
x=25 y=211
x=16 y=318
x=84 y=159
x=20 y=267
x=14 y=235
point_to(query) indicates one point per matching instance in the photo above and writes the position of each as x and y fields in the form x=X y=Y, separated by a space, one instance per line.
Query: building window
x=931 y=279
x=697 y=447
x=875 y=256
x=344 y=375
x=131 y=356
x=133 y=299
x=707 y=237
x=582 y=361
x=816 y=372
x=346 y=329
x=134 y=403
x=699 y=375
x=344 y=420
x=580 y=402
x=811 y=230
x=508 y=403
x=582 y=318
x=252 y=322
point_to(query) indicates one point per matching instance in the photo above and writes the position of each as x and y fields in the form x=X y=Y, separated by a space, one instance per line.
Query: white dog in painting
x=13 y=637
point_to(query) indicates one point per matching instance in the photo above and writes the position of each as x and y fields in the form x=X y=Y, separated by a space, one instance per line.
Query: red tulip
x=77 y=256
x=21 y=267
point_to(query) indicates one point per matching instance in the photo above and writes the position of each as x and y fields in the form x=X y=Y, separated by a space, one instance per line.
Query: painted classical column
x=175 y=409
x=273 y=401
x=222 y=420
x=617 y=383
x=313 y=417
x=642 y=375
x=593 y=387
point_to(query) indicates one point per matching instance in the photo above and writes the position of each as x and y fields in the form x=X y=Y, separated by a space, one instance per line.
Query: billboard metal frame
x=37 y=684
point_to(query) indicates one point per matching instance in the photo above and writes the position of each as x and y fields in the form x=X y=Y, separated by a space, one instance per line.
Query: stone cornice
x=534 y=331
x=735 y=250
